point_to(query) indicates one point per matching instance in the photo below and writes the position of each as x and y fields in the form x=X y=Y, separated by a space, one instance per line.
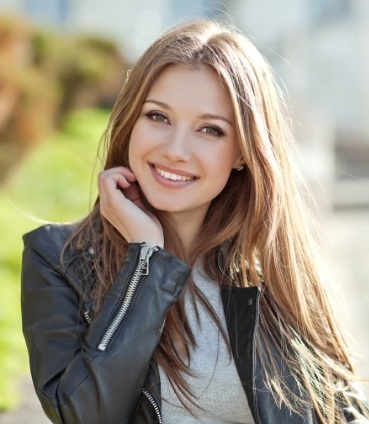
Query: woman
x=197 y=176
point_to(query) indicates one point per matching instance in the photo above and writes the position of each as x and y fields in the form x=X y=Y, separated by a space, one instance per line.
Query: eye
x=157 y=117
x=212 y=130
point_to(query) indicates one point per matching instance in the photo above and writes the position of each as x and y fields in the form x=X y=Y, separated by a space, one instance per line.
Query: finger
x=112 y=180
x=124 y=171
x=115 y=190
x=133 y=194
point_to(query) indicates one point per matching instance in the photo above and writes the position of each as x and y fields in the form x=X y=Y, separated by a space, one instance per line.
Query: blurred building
x=319 y=49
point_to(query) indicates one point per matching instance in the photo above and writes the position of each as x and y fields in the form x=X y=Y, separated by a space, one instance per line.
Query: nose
x=177 y=146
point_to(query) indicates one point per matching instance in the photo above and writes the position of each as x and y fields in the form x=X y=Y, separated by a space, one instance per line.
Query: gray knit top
x=216 y=384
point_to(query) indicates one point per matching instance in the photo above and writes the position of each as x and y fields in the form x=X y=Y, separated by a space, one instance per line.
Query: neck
x=188 y=228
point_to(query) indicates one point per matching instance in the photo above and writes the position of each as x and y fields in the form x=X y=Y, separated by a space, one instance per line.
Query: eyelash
x=215 y=130
x=151 y=115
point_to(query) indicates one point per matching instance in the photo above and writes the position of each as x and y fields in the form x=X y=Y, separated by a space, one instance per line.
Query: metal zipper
x=88 y=311
x=141 y=269
x=153 y=403
x=87 y=316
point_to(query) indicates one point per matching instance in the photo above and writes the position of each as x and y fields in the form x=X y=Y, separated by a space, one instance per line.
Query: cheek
x=222 y=169
x=221 y=162
x=219 y=172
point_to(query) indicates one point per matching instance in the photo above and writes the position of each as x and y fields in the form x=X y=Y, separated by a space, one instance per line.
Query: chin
x=165 y=208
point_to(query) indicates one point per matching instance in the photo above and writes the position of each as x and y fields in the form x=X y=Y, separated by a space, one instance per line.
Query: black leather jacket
x=101 y=370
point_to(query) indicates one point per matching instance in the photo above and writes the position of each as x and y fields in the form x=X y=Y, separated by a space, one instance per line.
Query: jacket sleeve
x=76 y=380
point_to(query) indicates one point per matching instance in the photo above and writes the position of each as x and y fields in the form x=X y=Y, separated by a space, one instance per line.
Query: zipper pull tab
x=146 y=252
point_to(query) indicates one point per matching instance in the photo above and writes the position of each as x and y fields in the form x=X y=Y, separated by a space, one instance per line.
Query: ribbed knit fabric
x=216 y=384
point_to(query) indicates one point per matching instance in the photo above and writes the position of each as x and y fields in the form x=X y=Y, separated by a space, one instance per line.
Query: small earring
x=240 y=168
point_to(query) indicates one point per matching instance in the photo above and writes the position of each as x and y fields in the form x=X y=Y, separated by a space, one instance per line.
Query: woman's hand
x=122 y=206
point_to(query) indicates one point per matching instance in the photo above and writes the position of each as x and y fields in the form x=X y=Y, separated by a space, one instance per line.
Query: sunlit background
x=61 y=65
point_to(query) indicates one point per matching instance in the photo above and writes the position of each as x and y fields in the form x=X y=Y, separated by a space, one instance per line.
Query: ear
x=239 y=164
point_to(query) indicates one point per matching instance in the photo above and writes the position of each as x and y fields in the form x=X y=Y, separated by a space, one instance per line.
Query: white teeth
x=174 y=177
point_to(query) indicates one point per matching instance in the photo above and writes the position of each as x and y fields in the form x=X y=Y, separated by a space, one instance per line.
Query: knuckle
x=101 y=175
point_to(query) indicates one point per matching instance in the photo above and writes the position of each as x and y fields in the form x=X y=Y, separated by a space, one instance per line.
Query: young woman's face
x=183 y=145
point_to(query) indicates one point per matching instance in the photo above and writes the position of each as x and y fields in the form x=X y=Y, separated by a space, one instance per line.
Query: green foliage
x=44 y=75
x=81 y=57
x=53 y=184
x=88 y=68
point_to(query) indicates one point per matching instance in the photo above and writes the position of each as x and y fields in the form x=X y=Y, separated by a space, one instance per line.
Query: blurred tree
x=88 y=69
x=44 y=75
x=24 y=101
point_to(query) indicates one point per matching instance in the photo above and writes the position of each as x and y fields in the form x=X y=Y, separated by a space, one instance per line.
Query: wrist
x=150 y=242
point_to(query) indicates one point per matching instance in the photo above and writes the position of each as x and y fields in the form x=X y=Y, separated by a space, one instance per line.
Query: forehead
x=198 y=87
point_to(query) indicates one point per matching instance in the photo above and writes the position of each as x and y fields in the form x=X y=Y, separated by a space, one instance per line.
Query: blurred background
x=62 y=63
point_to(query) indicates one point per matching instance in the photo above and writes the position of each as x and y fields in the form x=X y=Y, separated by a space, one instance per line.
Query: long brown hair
x=260 y=216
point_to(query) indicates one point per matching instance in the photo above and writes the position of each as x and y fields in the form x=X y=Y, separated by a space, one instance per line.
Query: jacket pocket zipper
x=153 y=403
x=141 y=269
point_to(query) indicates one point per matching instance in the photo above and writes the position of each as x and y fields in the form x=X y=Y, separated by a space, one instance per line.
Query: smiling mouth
x=171 y=176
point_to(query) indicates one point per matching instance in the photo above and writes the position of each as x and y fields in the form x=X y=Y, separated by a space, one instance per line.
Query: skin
x=182 y=150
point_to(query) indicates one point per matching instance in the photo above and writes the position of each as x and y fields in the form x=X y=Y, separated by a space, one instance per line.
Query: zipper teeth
x=87 y=316
x=153 y=403
x=123 y=309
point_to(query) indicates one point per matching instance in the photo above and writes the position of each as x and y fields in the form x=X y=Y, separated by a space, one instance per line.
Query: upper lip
x=173 y=170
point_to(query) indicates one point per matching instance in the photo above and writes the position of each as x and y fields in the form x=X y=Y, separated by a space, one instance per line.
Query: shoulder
x=49 y=240
x=44 y=260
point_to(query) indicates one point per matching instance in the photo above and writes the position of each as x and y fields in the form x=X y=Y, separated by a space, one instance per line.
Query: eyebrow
x=203 y=116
